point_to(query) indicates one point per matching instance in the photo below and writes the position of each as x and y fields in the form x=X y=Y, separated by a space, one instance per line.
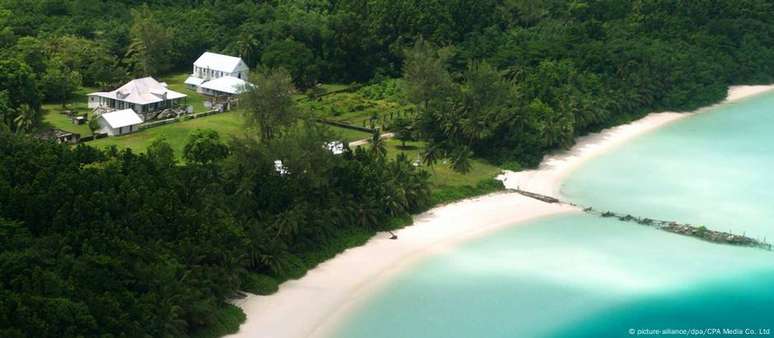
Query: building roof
x=226 y=84
x=335 y=147
x=220 y=62
x=141 y=91
x=121 y=118
x=194 y=81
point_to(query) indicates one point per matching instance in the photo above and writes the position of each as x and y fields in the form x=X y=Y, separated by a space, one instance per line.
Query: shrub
x=227 y=321
x=455 y=193
x=511 y=165
x=259 y=284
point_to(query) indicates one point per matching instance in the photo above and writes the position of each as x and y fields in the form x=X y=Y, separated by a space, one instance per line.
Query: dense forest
x=112 y=243
x=115 y=243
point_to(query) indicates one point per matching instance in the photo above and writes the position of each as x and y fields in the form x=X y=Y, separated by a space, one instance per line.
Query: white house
x=144 y=96
x=213 y=66
x=119 y=122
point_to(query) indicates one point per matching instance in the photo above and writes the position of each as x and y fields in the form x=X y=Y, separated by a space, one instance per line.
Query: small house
x=119 y=122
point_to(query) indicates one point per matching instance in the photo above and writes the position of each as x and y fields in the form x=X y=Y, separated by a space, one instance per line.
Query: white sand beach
x=313 y=305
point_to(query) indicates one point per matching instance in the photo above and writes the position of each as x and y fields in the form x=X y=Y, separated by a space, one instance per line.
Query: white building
x=212 y=66
x=145 y=96
x=335 y=147
x=223 y=86
x=119 y=122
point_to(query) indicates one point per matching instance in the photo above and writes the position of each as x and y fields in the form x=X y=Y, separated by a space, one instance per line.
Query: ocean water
x=715 y=168
x=580 y=276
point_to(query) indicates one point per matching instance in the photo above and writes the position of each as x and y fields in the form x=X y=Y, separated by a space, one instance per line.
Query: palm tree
x=26 y=118
x=246 y=46
x=378 y=146
x=460 y=159
x=431 y=155
x=287 y=223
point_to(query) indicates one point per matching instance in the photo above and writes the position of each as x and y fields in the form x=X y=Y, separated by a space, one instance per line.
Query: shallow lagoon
x=580 y=276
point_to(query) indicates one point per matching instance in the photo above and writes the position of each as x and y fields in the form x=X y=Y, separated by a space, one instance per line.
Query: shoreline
x=319 y=302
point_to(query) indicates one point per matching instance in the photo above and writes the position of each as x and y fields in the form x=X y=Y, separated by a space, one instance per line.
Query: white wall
x=105 y=128
x=94 y=101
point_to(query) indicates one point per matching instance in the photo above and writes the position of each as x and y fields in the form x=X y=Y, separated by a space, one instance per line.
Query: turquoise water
x=581 y=276
x=715 y=168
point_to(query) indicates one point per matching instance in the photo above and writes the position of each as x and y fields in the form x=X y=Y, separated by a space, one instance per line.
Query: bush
x=511 y=165
x=387 y=89
x=340 y=242
x=454 y=193
x=227 y=321
x=259 y=284
x=293 y=267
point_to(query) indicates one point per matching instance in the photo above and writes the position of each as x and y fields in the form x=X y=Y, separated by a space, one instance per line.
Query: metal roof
x=220 y=62
x=121 y=118
x=226 y=84
x=141 y=91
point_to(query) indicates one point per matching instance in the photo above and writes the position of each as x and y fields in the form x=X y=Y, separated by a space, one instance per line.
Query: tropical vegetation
x=153 y=241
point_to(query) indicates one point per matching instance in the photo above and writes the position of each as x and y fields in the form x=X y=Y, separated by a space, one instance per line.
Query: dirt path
x=365 y=140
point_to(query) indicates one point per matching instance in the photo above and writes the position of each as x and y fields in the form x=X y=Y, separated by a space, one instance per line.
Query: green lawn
x=349 y=135
x=442 y=175
x=176 y=82
x=52 y=113
x=176 y=134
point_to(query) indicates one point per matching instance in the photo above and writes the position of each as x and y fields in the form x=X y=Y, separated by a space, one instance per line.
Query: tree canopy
x=115 y=243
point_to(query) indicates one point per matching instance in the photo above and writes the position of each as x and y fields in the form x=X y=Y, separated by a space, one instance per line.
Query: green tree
x=268 y=104
x=205 y=147
x=404 y=130
x=161 y=153
x=247 y=47
x=6 y=112
x=150 y=51
x=26 y=118
x=21 y=95
x=32 y=52
x=296 y=58
x=378 y=145
x=94 y=124
x=93 y=60
x=425 y=74
x=60 y=82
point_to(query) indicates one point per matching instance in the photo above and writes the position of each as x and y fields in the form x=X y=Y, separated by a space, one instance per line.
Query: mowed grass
x=176 y=82
x=349 y=135
x=176 y=134
x=441 y=174
x=52 y=113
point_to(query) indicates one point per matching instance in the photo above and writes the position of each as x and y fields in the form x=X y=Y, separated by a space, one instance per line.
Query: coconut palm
x=25 y=118
x=378 y=146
